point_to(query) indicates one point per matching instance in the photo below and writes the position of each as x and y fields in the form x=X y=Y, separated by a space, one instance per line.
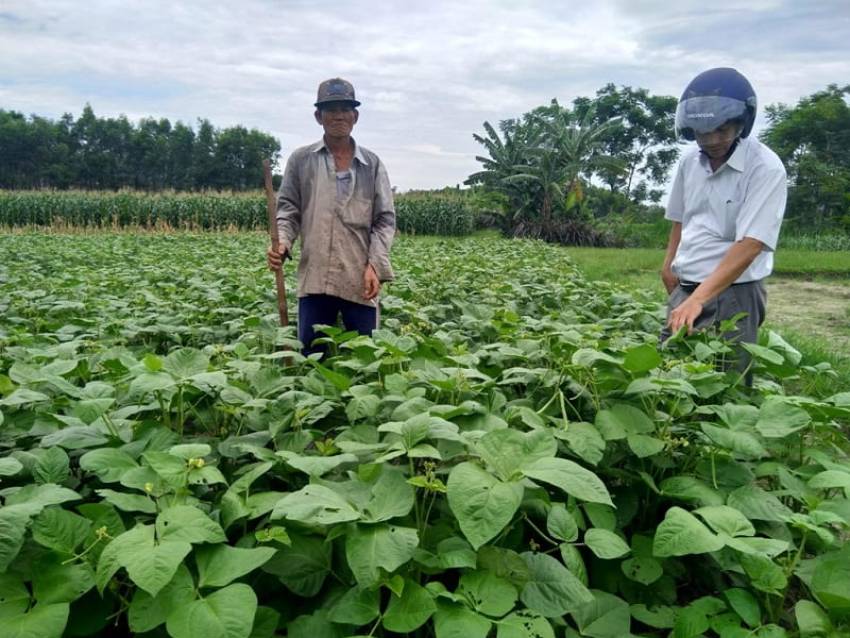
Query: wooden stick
x=279 y=280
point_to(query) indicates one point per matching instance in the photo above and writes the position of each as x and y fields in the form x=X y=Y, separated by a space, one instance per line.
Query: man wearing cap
x=726 y=205
x=336 y=195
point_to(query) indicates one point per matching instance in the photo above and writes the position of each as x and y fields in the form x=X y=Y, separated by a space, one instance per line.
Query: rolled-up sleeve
x=289 y=204
x=383 y=226
x=761 y=214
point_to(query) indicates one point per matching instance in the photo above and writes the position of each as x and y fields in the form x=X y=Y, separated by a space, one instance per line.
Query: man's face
x=337 y=118
x=717 y=143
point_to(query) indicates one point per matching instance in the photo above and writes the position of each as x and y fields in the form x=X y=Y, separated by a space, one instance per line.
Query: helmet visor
x=703 y=114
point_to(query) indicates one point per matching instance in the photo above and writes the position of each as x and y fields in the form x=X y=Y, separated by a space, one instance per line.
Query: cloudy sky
x=428 y=73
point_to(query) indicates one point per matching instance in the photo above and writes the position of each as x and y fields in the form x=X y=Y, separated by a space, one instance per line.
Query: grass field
x=809 y=295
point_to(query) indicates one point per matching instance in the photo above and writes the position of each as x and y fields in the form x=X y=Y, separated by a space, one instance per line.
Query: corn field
x=419 y=214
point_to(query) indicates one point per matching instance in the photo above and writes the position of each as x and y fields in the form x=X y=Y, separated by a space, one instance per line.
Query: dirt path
x=815 y=308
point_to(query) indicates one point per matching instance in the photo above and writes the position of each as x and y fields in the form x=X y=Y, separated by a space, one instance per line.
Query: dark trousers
x=324 y=309
x=750 y=297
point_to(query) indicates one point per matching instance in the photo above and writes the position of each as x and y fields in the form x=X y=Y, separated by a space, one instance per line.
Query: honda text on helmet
x=712 y=99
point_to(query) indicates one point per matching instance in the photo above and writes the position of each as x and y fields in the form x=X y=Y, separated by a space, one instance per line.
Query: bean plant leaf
x=408 y=612
x=605 y=544
x=483 y=504
x=219 y=565
x=228 y=613
x=379 y=547
x=682 y=534
x=571 y=477
x=552 y=590
x=42 y=621
x=315 y=505
x=524 y=624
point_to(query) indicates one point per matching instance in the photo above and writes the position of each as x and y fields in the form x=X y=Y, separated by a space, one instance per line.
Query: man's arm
x=736 y=260
x=667 y=275
x=383 y=226
x=289 y=205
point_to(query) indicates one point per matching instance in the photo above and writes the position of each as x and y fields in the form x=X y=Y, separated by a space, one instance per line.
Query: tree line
x=557 y=168
x=93 y=152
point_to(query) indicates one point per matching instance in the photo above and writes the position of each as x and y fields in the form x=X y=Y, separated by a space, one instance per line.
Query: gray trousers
x=750 y=297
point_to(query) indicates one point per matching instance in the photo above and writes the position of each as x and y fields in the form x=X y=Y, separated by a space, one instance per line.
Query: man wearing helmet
x=336 y=195
x=726 y=205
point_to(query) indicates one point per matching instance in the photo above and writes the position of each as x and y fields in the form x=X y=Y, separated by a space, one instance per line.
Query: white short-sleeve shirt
x=744 y=198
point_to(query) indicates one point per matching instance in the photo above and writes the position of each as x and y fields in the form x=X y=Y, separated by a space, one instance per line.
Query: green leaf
x=60 y=530
x=605 y=617
x=765 y=575
x=621 y=420
x=745 y=605
x=755 y=503
x=58 y=583
x=487 y=593
x=370 y=549
x=226 y=613
x=266 y=621
x=605 y=544
x=315 y=505
x=744 y=444
x=149 y=612
x=410 y=611
x=507 y=450
x=128 y=502
x=302 y=566
x=682 y=534
x=584 y=440
x=14 y=596
x=831 y=581
x=185 y=362
x=392 y=496
x=190 y=450
x=150 y=564
x=645 y=446
x=23 y=396
x=315 y=625
x=660 y=617
x=456 y=621
x=642 y=358
x=643 y=569
x=42 y=621
x=356 y=607
x=726 y=520
x=482 y=504
x=777 y=419
x=571 y=477
x=560 y=523
x=10 y=466
x=219 y=565
x=109 y=464
x=812 y=620
x=691 y=622
x=316 y=465
x=14 y=520
x=524 y=624
x=830 y=479
x=552 y=590
x=688 y=488
x=171 y=469
x=53 y=466
x=188 y=524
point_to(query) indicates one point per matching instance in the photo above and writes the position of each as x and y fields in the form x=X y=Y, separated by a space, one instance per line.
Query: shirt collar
x=358 y=153
x=736 y=161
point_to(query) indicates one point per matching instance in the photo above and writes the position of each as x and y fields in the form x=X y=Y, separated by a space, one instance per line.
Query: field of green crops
x=510 y=455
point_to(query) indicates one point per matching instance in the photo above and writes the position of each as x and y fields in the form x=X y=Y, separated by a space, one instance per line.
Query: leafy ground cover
x=509 y=455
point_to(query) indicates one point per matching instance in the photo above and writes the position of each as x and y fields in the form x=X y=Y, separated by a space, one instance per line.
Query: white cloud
x=428 y=74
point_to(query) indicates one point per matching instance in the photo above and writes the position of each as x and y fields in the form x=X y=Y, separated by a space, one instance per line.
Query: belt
x=690 y=286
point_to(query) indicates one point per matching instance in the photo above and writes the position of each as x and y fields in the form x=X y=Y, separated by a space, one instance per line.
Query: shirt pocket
x=358 y=212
